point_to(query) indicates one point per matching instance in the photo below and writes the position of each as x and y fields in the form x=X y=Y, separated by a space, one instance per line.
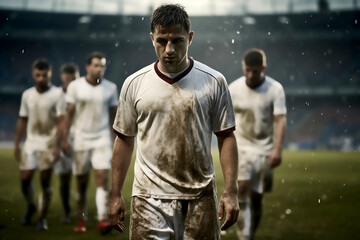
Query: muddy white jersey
x=173 y=120
x=254 y=113
x=91 y=119
x=42 y=111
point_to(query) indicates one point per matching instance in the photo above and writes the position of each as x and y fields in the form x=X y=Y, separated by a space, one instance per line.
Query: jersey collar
x=173 y=80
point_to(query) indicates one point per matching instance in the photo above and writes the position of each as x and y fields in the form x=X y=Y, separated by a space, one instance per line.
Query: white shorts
x=153 y=218
x=64 y=164
x=34 y=159
x=255 y=168
x=98 y=158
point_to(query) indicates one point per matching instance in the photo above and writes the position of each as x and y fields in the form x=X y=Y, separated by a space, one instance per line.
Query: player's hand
x=116 y=212
x=229 y=204
x=17 y=153
x=55 y=154
x=66 y=148
x=274 y=158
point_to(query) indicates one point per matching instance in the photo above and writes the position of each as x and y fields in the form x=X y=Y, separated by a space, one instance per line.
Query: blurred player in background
x=173 y=106
x=260 y=114
x=41 y=112
x=91 y=106
x=68 y=73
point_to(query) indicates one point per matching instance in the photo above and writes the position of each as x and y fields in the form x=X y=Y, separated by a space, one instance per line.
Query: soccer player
x=173 y=106
x=41 y=112
x=259 y=104
x=68 y=73
x=91 y=105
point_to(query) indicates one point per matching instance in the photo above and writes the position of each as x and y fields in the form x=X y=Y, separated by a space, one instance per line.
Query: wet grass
x=316 y=196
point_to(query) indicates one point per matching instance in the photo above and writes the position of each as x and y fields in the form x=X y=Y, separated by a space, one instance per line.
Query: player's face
x=254 y=74
x=41 y=77
x=96 y=69
x=171 y=46
x=66 y=78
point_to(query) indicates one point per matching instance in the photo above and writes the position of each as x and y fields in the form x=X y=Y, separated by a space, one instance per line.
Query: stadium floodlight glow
x=85 y=19
x=284 y=20
x=249 y=20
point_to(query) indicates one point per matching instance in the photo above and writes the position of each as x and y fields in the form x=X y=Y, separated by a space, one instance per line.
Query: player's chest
x=42 y=103
x=92 y=94
x=162 y=98
x=250 y=100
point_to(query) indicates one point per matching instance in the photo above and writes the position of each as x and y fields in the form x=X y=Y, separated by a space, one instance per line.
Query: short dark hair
x=92 y=55
x=70 y=68
x=41 y=64
x=170 y=15
x=255 y=57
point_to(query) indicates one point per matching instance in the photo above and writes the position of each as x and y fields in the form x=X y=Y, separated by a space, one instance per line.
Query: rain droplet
x=269 y=33
x=232 y=40
x=238 y=32
x=142 y=19
x=355 y=21
x=288 y=211
x=23 y=51
x=232 y=53
x=319 y=200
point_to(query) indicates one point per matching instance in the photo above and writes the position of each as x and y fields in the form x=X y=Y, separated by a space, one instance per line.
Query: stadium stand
x=316 y=56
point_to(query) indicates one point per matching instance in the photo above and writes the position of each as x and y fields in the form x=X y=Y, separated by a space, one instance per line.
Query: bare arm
x=65 y=129
x=59 y=137
x=123 y=149
x=280 y=127
x=229 y=165
x=20 y=130
x=112 y=113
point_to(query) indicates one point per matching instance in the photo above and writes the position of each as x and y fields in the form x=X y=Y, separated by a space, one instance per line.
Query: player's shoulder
x=273 y=83
x=109 y=84
x=237 y=83
x=29 y=91
x=205 y=69
x=138 y=75
x=77 y=82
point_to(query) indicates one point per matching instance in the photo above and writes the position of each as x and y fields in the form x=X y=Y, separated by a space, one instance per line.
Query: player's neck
x=42 y=88
x=93 y=81
x=254 y=85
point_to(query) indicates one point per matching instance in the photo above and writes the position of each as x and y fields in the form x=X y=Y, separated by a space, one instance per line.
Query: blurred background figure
x=69 y=72
x=41 y=114
x=91 y=106
x=260 y=114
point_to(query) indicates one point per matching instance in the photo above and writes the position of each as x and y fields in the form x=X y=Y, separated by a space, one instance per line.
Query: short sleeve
x=126 y=116
x=70 y=96
x=24 y=110
x=279 y=101
x=114 y=97
x=222 y=112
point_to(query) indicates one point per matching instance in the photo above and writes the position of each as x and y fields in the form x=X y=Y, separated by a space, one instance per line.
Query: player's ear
x=152 y=38
x=263 y=68
x=191 y=34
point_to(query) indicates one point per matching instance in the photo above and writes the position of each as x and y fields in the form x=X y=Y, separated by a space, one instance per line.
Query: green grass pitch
x=316 y=195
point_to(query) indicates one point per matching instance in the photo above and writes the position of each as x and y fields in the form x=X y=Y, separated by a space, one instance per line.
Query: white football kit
x=254 y=114
x=174 y=120
x=92 y=137
x=42 y=111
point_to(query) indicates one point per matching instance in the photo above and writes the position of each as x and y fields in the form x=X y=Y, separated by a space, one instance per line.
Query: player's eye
x=161 y=41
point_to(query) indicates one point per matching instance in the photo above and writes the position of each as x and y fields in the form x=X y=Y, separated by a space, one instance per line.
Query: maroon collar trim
x=173 y=80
